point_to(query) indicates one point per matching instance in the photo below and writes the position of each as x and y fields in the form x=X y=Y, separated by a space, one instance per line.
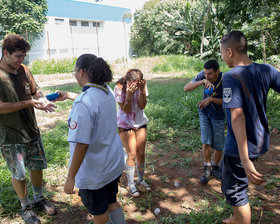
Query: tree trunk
x=204 y=27
x=263 y=44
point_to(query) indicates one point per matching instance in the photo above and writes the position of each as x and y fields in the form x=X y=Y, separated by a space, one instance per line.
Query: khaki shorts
x=19 y=156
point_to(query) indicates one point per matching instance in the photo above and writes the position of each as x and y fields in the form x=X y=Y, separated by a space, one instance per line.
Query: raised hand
x=208 y=84
x=131 y=88
x=142 y=84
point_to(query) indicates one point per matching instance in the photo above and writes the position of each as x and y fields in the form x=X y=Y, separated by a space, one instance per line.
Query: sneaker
x=206 y=175
x=144 y=184
x=44 y=206
x=29 y=216
x=133 y=190
x=215 y=172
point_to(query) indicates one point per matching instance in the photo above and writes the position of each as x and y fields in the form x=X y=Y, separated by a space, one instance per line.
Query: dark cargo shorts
x=19 y=156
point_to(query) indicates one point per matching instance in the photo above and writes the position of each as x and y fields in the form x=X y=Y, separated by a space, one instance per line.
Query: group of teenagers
x=98 y=131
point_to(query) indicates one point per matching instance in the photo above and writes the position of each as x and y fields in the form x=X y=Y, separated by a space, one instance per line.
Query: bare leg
x=36 y=177
x=217 y=156
x=206 y=153
x=20 y=187
x=129 y=142
x=101 y=219
x=242 y=215
x=141 y=135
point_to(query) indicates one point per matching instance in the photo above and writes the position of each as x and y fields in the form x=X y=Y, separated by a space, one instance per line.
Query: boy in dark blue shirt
x=245 y=89
x=211 y=117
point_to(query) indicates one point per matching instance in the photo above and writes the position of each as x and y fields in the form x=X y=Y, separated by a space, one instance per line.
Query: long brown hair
x=131 y=75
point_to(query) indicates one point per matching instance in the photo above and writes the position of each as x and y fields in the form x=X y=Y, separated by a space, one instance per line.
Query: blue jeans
x=212 y=131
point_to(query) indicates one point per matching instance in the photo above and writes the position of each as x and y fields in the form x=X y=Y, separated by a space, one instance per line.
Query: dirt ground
x=165 y=167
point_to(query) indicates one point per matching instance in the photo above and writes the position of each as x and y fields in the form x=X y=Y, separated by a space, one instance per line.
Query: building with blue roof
x=75 y=27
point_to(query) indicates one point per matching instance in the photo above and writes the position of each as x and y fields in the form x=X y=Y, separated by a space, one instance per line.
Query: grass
x=53 y=66
x=173 y=127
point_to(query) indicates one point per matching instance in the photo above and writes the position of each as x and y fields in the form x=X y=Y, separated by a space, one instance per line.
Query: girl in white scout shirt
x=96 y=153
x=130 y=94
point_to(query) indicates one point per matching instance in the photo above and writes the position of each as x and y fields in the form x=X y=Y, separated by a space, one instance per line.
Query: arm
x=78 y=157
x=10 y=107
x=130 y=90
x=192 y=85
x=143 y=98
x=204 y=103
x=239 y=128
x=66 y=95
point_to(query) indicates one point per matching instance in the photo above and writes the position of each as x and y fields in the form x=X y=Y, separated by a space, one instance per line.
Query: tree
x=24 y=17
x=258 y=19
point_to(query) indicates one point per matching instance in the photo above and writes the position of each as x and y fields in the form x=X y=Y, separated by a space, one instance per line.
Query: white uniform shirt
x=93 y=121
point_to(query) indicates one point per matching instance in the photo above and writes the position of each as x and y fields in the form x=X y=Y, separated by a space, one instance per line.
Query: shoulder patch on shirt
x=227 y=95
x=73 y=125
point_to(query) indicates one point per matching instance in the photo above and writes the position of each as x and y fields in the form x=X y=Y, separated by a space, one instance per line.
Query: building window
x=72 y=23
x=84 y=23
x=96 y=24
x=59 y=21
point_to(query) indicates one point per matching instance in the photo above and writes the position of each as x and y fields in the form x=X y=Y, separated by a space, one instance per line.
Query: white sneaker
x=133 y=190
x=144 y=184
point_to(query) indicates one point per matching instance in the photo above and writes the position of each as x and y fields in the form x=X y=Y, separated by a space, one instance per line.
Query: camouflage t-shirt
x=19 y=126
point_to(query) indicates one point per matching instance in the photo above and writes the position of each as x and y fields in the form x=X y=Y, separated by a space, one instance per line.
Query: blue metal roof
x=83 y=10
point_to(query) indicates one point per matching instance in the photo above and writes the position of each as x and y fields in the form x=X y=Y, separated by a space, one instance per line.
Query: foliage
x=179 y=27
x=24 y=17
x=53 y=66
x=257 y=19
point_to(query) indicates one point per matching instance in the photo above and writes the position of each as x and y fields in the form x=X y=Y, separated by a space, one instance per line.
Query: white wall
x=60 y=40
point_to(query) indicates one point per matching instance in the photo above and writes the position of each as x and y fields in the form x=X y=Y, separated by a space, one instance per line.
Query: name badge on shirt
x=227 y=95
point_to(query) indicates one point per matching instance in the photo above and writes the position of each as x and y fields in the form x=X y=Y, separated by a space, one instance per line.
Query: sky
x=131 y=4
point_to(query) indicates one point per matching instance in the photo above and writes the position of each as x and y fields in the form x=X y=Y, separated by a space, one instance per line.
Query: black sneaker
x=215 y=172
x=206 y=175
x=44 y=206
x=29 y=216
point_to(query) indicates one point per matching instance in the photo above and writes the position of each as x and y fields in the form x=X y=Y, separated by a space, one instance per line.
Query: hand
x=69 y=186
x=131 y=88
x=61 y=96
x=43 y=104
x=253 y=175
x=208 y=84
x=204 y=103
x=142 y=84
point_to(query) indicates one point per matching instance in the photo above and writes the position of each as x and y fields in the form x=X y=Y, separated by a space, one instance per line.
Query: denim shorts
x=234 y=181
x=212 y=131
x=97 y=201
x=19 y=156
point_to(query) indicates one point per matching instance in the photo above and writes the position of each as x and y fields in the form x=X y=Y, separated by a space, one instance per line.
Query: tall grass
x=156 y=64
x=182 y=63
x=53 y=66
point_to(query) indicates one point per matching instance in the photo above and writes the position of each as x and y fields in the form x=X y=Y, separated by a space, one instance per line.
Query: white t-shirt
x=93 y=121
x=136 y=118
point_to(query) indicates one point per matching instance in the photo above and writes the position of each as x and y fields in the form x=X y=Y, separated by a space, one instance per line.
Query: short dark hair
x=15 y=42
x=97 y=69
x=235 y=40
x=212 y=64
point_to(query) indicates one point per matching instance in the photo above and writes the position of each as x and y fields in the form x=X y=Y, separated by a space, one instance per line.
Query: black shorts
x=234 y=181
x=128 y=129
x=97 y=201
